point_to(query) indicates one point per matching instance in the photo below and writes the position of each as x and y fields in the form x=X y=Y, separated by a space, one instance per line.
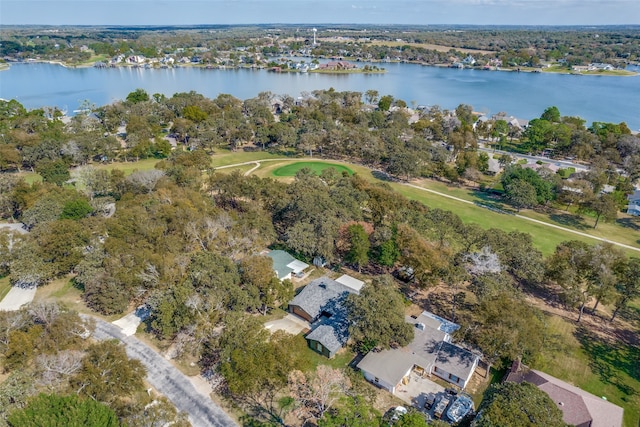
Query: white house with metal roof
x=430 y=353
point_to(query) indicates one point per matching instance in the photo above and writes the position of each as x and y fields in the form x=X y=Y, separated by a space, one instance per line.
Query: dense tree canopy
x=63 y=411
x=377 y=316
x=518 y=405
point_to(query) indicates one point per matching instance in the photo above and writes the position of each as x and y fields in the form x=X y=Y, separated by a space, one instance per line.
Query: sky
x=415 y=12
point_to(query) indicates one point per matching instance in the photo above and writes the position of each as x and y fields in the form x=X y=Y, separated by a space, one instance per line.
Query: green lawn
x=5 y=286
x=604 y=368
x=317 y=167
x=30 y=177
x=228 y=157
x=544 y=238
x=129 y=167
x=340 y=360
x=469 y=213
x=242 y=169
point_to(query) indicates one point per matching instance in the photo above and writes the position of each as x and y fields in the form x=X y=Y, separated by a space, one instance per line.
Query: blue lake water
x=524 y=95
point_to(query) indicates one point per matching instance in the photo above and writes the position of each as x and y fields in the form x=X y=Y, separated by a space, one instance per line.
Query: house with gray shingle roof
x=285 y=265
x=431 y=352
x=321 y=303
x=634 y=203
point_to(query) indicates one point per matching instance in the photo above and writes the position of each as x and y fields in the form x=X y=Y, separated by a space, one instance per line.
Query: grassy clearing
x=129 y=167
x=5 y=287
x=436 y=47
x=341 y=360
x=29 y=177
x=317 y=167
x=544 y=238
x=63 y=291
x=600 y=367
x=242 y=169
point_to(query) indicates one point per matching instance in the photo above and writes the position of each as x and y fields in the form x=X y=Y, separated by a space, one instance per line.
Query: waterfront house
x=337 y=65
x=598 y=66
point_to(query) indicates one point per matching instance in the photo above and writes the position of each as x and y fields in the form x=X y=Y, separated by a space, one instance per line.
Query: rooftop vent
x=420 y=326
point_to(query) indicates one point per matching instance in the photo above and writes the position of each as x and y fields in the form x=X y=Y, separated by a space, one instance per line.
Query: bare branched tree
x=55 y=368
x=44 y=312
x=483 y=262
x=317 y=393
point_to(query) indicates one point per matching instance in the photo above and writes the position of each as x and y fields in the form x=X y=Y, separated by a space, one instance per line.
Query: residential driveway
x=167 y=379
x=13 y=227
x=129 y=323
x=17 y=297
x=290 y=323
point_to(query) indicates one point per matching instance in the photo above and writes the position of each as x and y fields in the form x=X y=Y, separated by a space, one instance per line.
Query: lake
x=524 y=95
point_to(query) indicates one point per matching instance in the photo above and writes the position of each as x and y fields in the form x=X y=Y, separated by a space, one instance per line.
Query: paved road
x=167 y=379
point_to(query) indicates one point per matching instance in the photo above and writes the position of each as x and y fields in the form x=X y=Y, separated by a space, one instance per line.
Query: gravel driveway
x=167 y=379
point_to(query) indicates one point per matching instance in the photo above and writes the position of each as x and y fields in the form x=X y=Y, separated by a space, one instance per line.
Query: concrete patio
x=416 y=391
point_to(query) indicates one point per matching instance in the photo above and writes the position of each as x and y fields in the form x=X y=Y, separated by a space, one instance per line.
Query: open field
x=544 y=237
x=317 y=167
x=242 y=169
x=436 y=47
x=603 y=367
x=129 y=167
x=63 y=291
x=564 y=70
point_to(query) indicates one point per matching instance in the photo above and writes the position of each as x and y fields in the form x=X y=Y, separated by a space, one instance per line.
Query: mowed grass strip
x=544 y=238
x=594 y=364
x=317 y=167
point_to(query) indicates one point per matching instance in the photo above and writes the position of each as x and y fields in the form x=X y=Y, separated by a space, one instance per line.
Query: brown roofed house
x=578 y=407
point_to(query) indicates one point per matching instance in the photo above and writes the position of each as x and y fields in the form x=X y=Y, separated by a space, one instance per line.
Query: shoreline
x=622 y=73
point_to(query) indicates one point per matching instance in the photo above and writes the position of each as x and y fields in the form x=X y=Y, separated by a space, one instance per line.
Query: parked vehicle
x=429 y=401
x=460 y=408
x=442 y=403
